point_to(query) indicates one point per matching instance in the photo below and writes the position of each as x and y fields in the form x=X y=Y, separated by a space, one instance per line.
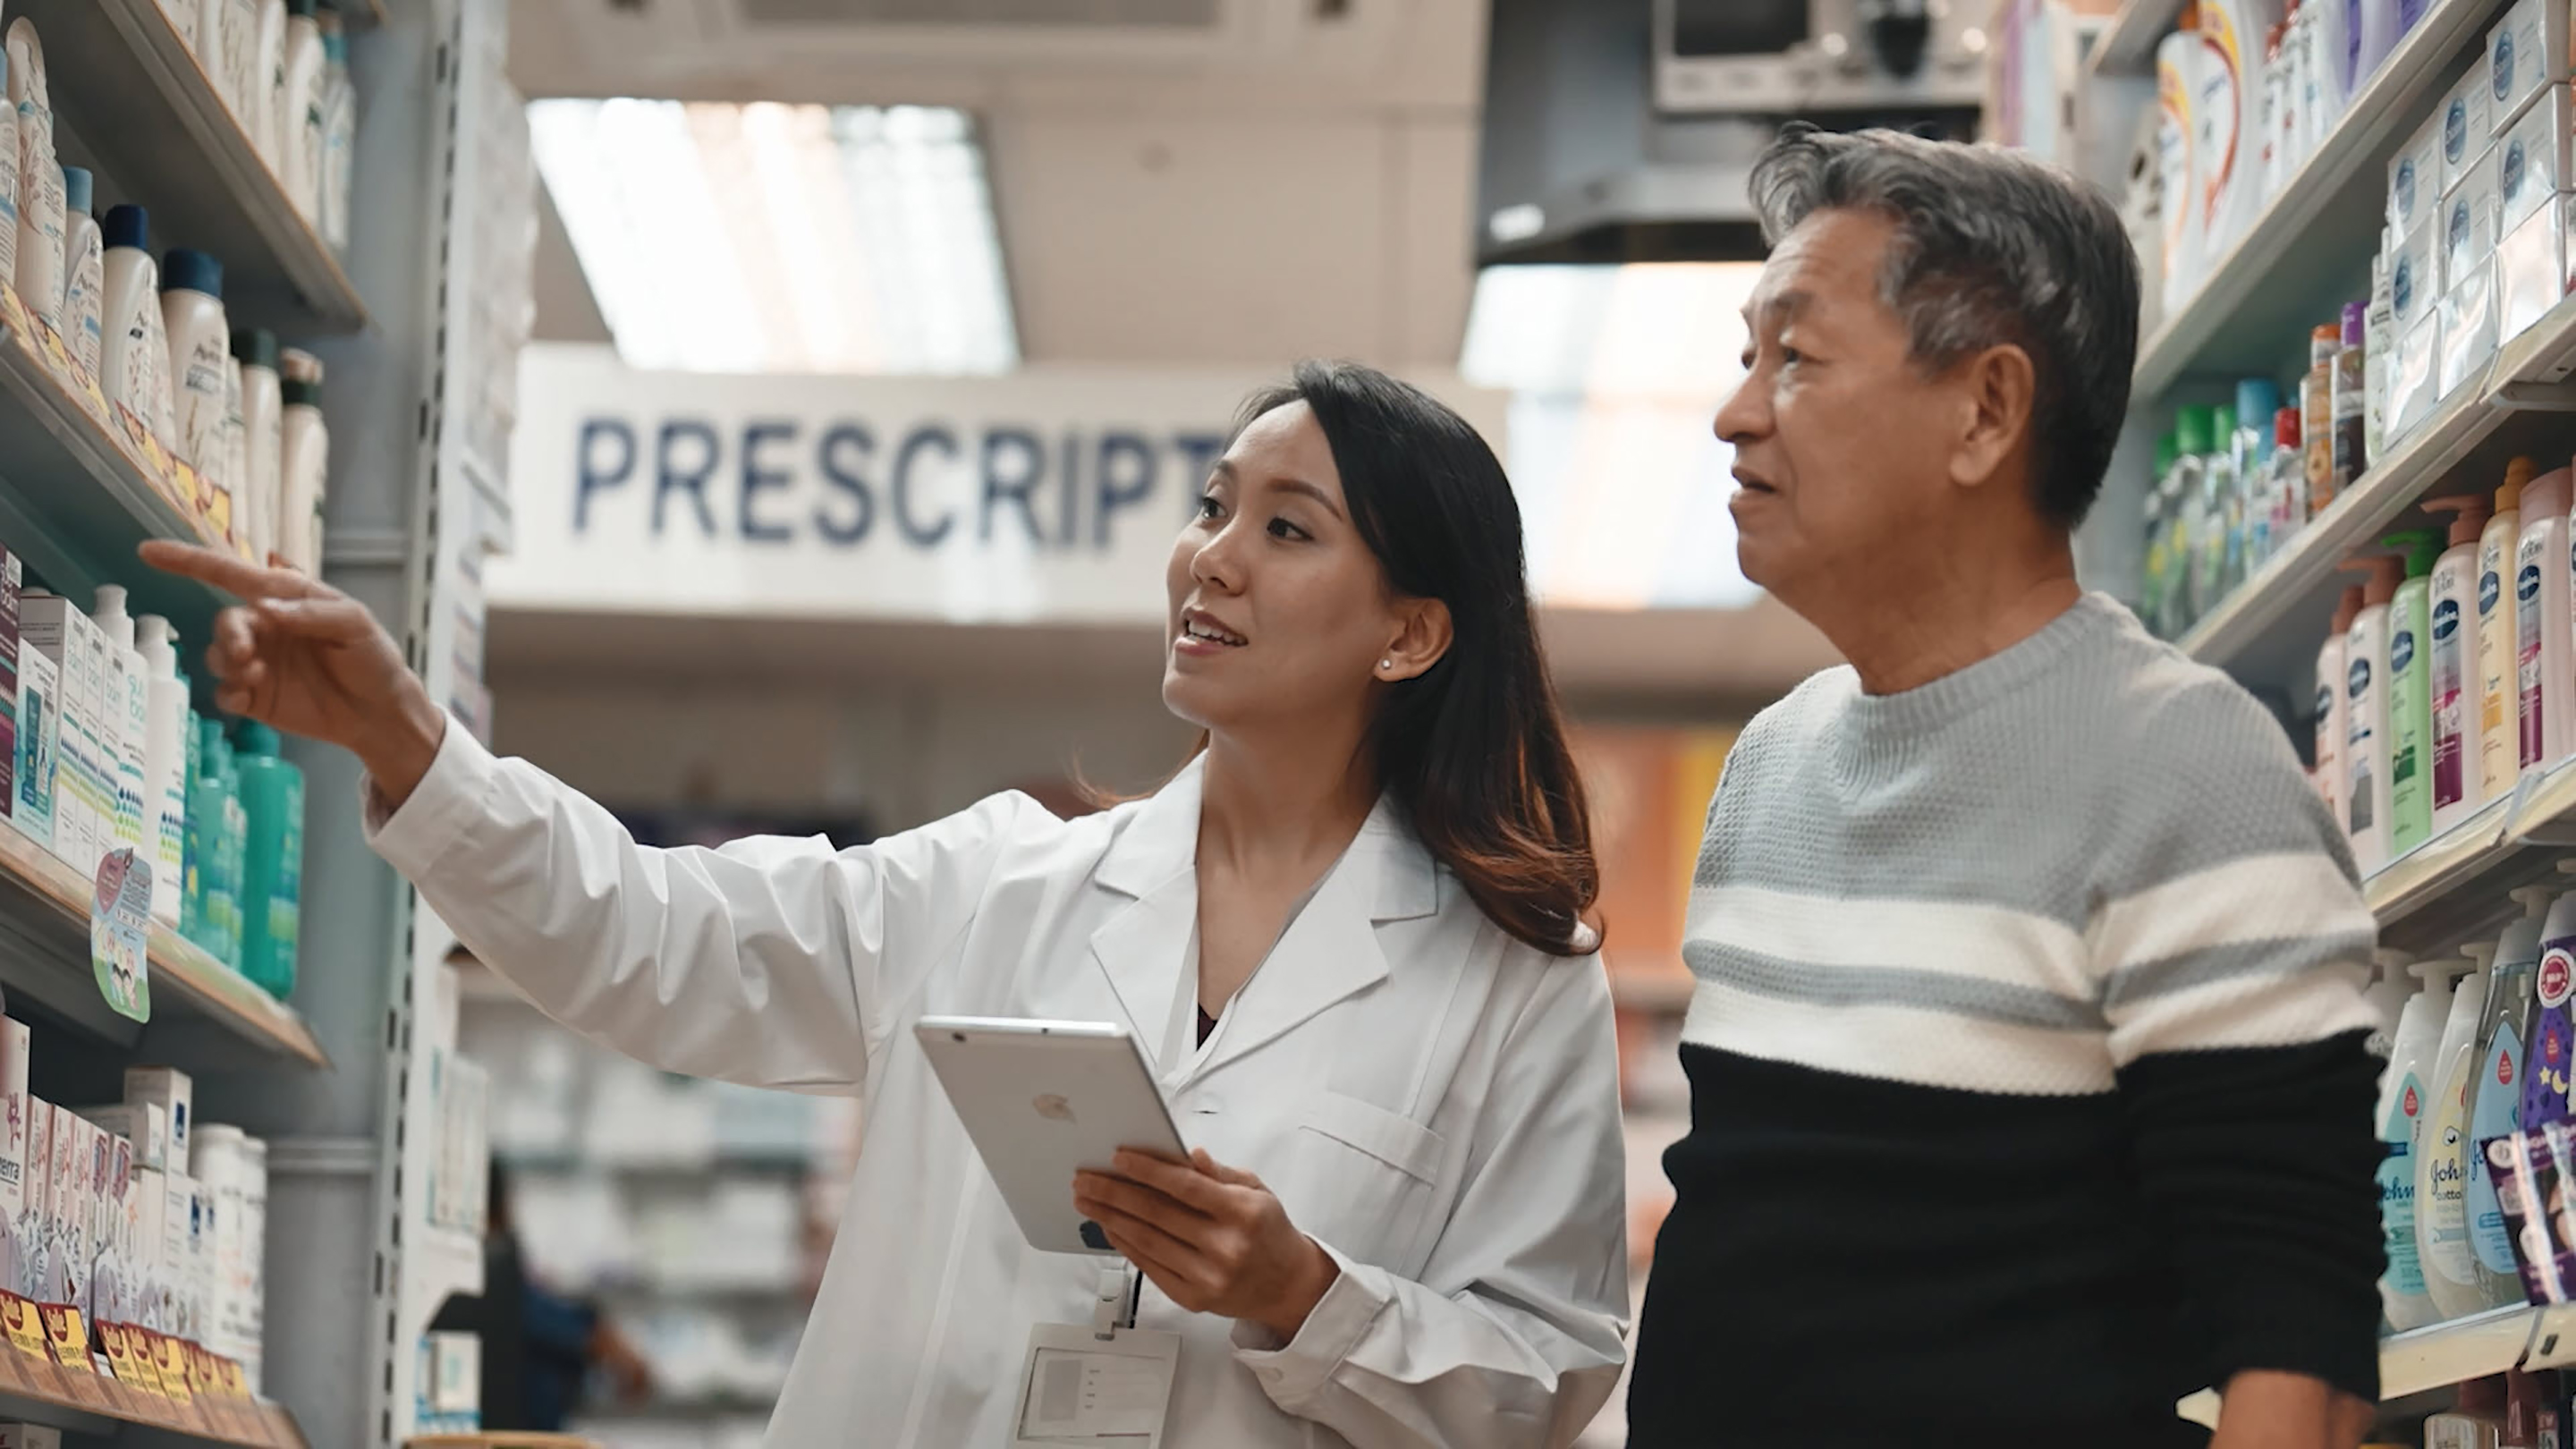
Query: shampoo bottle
x=2552 y=1041
x=2497 y=1109
x=339 y=140
x=2334 y=715
x=304 y=454
x=84 y=275
x=192 y=317
x=2541 y=603
x=2402 y=1103
x=165 y=767
x=2442 y=1158
x=39 y=263
x=2389 y=988
x=2410 y=712
x=136 y=375
x=2177 y=85
x=263 y=420
x=128 y=710
x=272 y=793
x=2458 y=785
x=2366 y=717
x=267 y=83
x=8 y=180
x=302 y=70
x=205 y=836
x=2499 y=698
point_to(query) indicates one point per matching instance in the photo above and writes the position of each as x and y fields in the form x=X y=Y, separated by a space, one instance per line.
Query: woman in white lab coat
x=1349 y=935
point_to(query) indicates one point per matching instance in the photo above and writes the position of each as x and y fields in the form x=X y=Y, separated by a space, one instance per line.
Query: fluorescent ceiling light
x=1616 y=373
x=773 y=238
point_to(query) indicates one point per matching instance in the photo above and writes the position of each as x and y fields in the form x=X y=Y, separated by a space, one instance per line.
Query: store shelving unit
x=147 y=113
x=2128 y=47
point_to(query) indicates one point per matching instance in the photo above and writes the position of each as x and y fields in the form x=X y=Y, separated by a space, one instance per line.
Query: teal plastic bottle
x=206 y=855
x=272 y=796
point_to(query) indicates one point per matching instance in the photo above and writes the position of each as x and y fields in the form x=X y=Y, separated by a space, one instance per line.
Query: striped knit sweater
x=2028 y=1088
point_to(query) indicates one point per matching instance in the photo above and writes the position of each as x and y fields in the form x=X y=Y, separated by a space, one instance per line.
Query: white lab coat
x=1433 y=1102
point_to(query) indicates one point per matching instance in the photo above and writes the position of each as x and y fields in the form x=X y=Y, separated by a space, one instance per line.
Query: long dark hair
x=1474 y=748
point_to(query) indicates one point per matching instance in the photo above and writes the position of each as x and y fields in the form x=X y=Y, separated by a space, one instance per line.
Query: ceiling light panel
x=777 y=238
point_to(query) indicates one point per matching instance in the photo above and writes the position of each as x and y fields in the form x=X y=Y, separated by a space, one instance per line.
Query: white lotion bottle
x=2441 y=1147
x=84 y=275
x=136 y=373
x=192 y=316
x=2541 y=598
x=8 y=182
x=127 y=713
x=268 y=83
x=2458 y=785
x=2402 y=1103
x=339 y=139
x=304 y=465
x=263 y=439
x=38 y=265
x=2499 y=698
x=165 y=765
x=2366 y=803
x=2334 y=719
x=302 y=69
x=2495 y=1109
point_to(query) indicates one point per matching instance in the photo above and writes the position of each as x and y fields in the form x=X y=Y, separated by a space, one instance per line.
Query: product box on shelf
x=2531 y=269
x=49 y=628
x=39 y=747
x=2415 y=379
x=2415 y=277
x=145 y=1125
x=12 y=583
x=182 y=1232
x=151 y=1198
x=173 y=1092
x=34 y=1238
x=2415 y=178
x=2532 y=160
x=2469 y=212
x=66 y=1215
x=2468 y=327
x=2528 y=49
x=14 y=1043
x=30 y=1436
x=2468 y=125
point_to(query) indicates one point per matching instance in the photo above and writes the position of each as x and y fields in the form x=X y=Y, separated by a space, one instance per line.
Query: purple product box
x=12 y=581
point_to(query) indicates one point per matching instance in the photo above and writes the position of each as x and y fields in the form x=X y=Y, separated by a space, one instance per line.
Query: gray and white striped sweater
x=2028 y=1034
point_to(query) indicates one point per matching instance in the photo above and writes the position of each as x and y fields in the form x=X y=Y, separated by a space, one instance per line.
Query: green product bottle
x=201 y=907
x=272 y=797
x=2410 y=710
x=2191 y=525
x=230 y=850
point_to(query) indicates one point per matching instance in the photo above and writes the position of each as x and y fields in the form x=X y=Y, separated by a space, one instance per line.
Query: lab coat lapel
x=1331 y=950
x=1144 y=947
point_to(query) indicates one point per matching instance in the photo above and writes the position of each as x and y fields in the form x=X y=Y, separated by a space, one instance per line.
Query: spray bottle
x=2442 y=1147
x=2366 y=724
x=2499 y=701
x=2497 y=1110
x=2402 y=1103
x=2540 y=599
x=2458 y=786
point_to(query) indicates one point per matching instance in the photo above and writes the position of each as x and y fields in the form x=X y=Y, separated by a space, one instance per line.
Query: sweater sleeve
x=2232 y=946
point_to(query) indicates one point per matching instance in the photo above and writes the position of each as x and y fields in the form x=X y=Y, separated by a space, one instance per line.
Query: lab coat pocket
x=1374 y=1171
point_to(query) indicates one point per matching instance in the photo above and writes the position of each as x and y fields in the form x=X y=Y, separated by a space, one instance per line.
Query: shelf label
x=172 y=1367
x=26 y=1329
x=69 y=1336
x=120 y=925
x=129 y=1359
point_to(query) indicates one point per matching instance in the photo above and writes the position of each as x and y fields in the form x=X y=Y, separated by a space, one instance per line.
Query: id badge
x=1079 y=1388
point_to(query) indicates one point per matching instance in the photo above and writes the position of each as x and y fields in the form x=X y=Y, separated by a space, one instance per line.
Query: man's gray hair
x=1992 y=247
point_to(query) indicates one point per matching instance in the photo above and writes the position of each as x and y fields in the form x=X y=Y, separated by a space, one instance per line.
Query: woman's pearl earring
x=1384 y=664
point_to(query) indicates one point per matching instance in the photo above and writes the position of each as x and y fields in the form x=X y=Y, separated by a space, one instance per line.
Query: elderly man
x=2028 y=1083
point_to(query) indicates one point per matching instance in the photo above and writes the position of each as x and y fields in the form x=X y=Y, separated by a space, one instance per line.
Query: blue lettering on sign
x=863 y=504
x=831 y=480
x=2490 y=593
x=926 y=436
x=667 y=479
x=2446 y=620
x=588 y=474
x=757 y=480
x=2401 y=651
x=2359 y=683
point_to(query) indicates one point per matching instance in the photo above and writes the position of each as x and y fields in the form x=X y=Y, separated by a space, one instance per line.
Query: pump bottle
x=2402 y=1104
x=165 y=766
x=2499 y=699
x=2410 y=714
x=2366 y=735
x=272 y=795
x=2541 y=603
x=2334 y=716
x=2457 y=778
x=137 y=370
x=2497 y=1109
x=125 y=716
x=2442 y=1155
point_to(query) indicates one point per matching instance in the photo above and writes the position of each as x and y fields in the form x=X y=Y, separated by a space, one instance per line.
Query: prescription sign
x=1042 y=496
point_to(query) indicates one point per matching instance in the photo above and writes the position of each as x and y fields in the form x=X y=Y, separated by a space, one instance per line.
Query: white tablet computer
x=1043 y=1099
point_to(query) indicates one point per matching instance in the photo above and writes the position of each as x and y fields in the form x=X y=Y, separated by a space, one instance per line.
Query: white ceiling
x=1295 y=179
